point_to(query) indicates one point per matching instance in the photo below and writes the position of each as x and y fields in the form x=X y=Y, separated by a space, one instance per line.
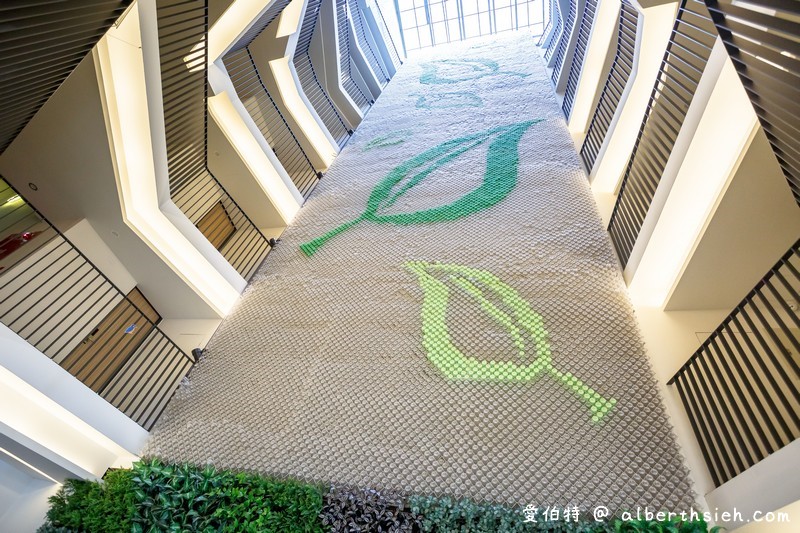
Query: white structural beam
x=130 y=86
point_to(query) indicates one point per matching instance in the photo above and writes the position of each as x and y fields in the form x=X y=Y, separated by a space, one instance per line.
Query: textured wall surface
x=330 y=370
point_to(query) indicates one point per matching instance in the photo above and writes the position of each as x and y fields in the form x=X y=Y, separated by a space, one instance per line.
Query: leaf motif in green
x=499 y=179
x=447 y=71
x=449 y=100
x=510 y=311
x=392 y=138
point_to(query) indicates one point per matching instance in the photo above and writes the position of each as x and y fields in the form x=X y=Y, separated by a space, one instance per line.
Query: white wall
x=23 y=496
x=754 y=223
x=105 y=432
x=64 y=150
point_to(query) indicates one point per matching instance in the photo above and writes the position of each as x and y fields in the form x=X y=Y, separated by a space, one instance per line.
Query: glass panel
x=446 y=19
x=21 y=229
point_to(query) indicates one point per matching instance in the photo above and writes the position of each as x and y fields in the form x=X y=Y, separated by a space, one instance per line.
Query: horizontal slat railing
x=741 y=388
x=313 y=89
x=549 y=16
x=52 y=296
x=182 y=35
x=563 y=42
x=42 y=44
x=270 y=120
x=363 y=41
x=763 y=40
x=558 y=22
x=345 y=63
x=144 y=386
x=263 y=109
x=614 y=86
x=386 y=35
x=687 y=53
x=576 y=66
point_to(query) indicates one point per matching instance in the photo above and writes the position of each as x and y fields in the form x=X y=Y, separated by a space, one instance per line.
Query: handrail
x=741 y=388
x=55 y=298
x=387 y=36
x=313 y=89
x=345 y=64
x=563 y=42
x=614 y=86
x=43 y=42
x=762 y=38
x=182 y=35
x=675 y=86
x=575 y=67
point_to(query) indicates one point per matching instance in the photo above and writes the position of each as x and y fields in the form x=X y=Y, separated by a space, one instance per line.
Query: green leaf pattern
x=448 y=71
x=499 y=179
x=518 y=319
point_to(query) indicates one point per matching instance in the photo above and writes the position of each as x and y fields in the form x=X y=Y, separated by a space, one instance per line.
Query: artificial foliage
x=187 y=498
x=90 y=506
x=370 y=510
x=158 y=497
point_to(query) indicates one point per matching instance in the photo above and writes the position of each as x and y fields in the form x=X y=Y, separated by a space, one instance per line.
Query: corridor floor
x=469 y=334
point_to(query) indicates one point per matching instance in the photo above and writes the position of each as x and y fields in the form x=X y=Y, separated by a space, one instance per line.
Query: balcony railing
x=563 y=42
x=345 y=64
x=52 y=296
x=558 y=22
x=357 y=17
x=182 y=34
x=587 y=20
x=741 y=388
x=687 y=53
x=763 y=40
x=614 y=87
x=262 y=108
x=307 y=75
x=386 y=35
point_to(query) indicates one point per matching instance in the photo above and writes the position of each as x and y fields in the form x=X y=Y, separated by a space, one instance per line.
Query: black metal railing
x=270 y=121
x=361 y=37
x=42 y=44
x=263 y=109
x=345 y=63
x=763 y=40
x=741 y=388
x=548 y=9
x=563 y=42
x=182 y=36
x=144 y=386
x=386 y=35
x=576 y=66
x=687 y=53
x=558 y=22
x=614 y=86
x=312 y=87
x=52 y=296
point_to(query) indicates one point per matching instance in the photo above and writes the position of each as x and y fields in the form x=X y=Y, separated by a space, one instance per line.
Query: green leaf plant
x=508 y=309
x=499 y=179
